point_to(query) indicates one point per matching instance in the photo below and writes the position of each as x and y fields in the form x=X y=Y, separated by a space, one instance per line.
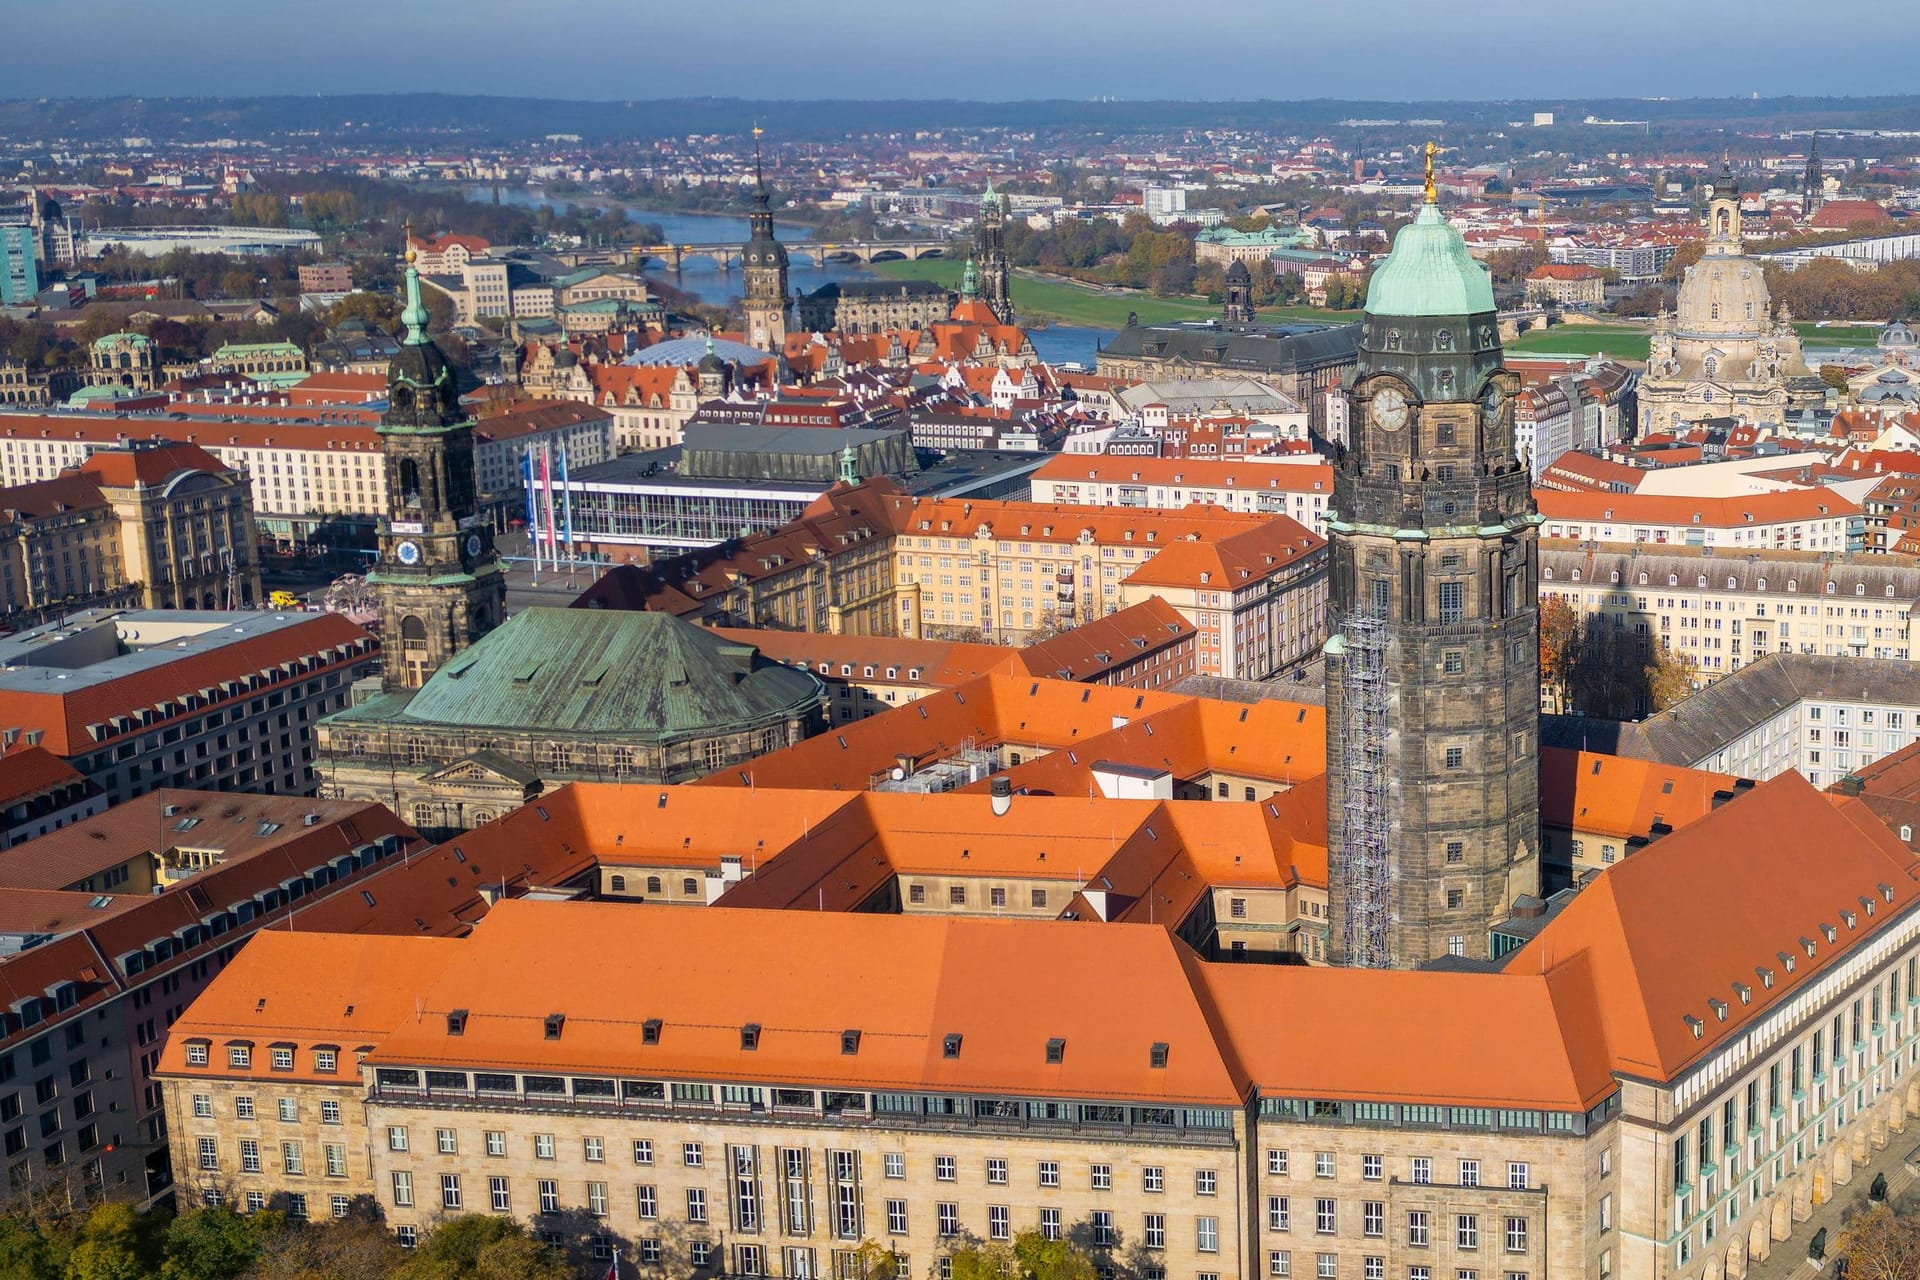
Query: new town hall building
x=1658 y=1079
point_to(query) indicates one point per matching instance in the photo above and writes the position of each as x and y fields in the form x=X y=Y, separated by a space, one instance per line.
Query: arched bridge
x=727 y=256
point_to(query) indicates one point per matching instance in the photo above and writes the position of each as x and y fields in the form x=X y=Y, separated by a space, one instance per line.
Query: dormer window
x=555 y=1021
x=457 y=1022
x=950 y=1047
x=750 y=1036
x=1157 y=1056
x=650 y=1031
x=1056 y=1051
x=849 y=1042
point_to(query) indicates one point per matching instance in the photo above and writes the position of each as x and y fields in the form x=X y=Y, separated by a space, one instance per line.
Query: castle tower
x=763 y=269
x=990 y=250
x=1239 y=294
x=1813 y=186
x=1433 y=686
x=439 y=581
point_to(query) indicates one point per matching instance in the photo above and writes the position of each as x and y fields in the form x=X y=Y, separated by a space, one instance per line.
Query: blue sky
x=988 y=49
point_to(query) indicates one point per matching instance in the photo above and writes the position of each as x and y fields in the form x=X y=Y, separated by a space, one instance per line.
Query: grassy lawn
x=1837 y=335
x=1584 y=340
x=1068 y=302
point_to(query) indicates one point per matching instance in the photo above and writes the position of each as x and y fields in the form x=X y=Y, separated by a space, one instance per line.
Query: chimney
x=1002 y=796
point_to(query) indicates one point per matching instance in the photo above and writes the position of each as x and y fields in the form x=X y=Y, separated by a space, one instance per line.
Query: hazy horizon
x=989 y=50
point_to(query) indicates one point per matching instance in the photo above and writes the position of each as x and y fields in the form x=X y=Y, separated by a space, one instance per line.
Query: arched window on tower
x=1722 y=222
x=409 y=482
x=1716 y=311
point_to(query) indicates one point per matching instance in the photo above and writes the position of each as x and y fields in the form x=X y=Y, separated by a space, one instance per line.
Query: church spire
x=969 y=282
x=414 y=314
x=1432 y=192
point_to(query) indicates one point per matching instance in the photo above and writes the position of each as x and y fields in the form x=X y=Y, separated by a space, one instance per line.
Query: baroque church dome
x=1724 y=295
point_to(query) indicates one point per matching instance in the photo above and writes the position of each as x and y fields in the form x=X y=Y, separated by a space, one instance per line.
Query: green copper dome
x=1429 y=273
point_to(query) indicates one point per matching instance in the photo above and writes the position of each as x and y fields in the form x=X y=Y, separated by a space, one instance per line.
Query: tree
x=1880 y=1245
x=482 y=1247
x=1671 y=676
x=213 y=1243
x=1559 y=642
x=1683 y=257
x=1031 y=1256
x=1834 y=376
x=108 y=1247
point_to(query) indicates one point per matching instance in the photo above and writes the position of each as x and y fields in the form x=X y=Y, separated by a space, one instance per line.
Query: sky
x=976 y=49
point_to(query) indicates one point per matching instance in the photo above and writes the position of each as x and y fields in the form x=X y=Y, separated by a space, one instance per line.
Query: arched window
x=1716 y=316
x=1859 y=588
x=618 y=884
x=1760 y=583
x=1793 y=585
x=1673 y=579
x=653 y=884
x=689 y=886
x=1832 y=587
x=1575 y=575
x=1701 y=582
x=1730 y=583
x=1547 y=574
x=1643 y=579
x=410 y=482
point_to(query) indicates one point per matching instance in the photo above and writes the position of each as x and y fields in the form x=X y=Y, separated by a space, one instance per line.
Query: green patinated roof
x=229 y=350
x=1429 y=273
x=114 y=339
x=646 y=676
x=1278 y=237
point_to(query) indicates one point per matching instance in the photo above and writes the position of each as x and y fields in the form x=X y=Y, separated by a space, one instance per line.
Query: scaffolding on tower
x=1366 y=867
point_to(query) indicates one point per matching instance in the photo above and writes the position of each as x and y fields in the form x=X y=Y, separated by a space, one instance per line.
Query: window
x=1452 y=601
x=1324 y=1217
x=549 y=1196
x=1101 y=1177
x=1050 y=1224
x=642 y=1151
x=1419 y=1229
x=291 y=1158
x=597 y=1199
x=336 y=1155
x=894 y=1164
x=1206 y=1235
x=1466 y=1231
x=1469 y=1173
x=696 y=1204
x=1049 y=1173
x=999 y=1223
x=1373 y=1167
x=243 y=1110
x=897 y=1217
x=1153 y=1231
x=1373 y=1218
x=1276 y=1164
x=1205 y=1182
x=648 y=1202
x=396 y=1137
x=1422 y=1170
x=446 y=1141
x=1323 y=1164
x=402 y=1189
x=996 y=1172
x=1280 y=1263
x=1456 y=757
x=209 y=1154
x=202 y=1105
x=329 y=1112
x=948 y=1216
x=289 y=1110
x=196 y=1055
x=498 y=1195
x=1326 y=1266
x=595 y=1150
x=943 y=1168
x=407 y=1235
x=690 y=1155
x=1516 y=1235
x=239 y=1057
x=1279 y=1213
x=1517 y=1175
x=283 y=1058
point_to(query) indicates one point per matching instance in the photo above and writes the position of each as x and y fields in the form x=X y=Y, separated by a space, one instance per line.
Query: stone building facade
x=1433 y=673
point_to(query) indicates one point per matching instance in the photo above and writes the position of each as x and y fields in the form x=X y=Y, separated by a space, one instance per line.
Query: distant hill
x=373 y=117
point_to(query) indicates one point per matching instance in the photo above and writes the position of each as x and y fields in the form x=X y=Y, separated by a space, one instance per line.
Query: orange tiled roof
x=1719 y=513
x=1621 y=796
x=1288 y=477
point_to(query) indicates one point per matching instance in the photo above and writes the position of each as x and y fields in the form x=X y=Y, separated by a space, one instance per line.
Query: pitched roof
x=1720 y=513
x=1621 y=796
x=1289 y=477
x=128 y=468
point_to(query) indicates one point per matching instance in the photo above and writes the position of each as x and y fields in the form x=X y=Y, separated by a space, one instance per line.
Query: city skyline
x=1076 y=49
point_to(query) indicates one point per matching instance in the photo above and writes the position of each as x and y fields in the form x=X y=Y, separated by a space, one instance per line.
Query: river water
x=706 y=282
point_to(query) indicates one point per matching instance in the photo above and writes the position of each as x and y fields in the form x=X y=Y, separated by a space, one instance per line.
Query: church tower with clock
x=1433 y=688
x=439 y=581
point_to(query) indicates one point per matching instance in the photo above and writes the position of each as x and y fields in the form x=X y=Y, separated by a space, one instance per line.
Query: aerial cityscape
x=850 y=656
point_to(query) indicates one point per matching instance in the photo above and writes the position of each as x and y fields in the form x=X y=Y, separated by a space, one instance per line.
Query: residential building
x=40 y=792
x=1565 y=285
x=325 y=277
x=1723 y=612
x=1815 y=519
x=139 y=699
x=1300 y=491
x=1257 y=601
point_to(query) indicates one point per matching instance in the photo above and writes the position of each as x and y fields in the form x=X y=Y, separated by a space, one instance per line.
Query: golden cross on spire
x=1433 y=196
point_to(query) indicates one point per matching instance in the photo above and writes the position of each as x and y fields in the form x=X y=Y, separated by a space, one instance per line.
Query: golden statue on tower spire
x=1433 y=196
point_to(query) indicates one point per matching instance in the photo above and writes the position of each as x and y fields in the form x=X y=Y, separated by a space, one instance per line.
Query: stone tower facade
x=1239 y=294
x=439 y=581
x=763 y=270
x=990 y=251
x=1433 y=684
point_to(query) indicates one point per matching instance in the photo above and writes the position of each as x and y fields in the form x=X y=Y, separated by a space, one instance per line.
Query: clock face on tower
x=1389 y=409
x=473 y=546
x=408 y=552
x=1490 y=404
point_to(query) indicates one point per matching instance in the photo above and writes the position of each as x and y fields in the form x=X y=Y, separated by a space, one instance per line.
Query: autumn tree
x=1559 y=639
x=1683 y=257
x=1834 y=376
x=1031 y=1256
x=1880 y=1245
x=1671 y=676
x=213 y=1243
x=109 y=1246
